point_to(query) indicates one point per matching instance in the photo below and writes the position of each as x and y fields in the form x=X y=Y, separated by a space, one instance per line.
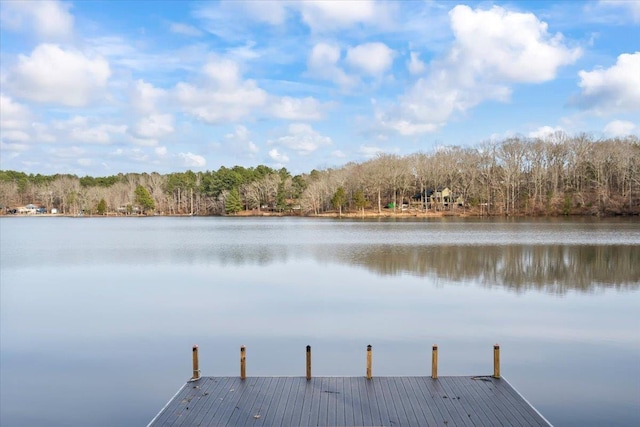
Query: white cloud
x=192 y=160
x=54 y=75
x=185 y=29
x=224 y=95
x=155 y=126
x=544 y=132
x=370 y=58
x=49 y=20
x=145 y=97
x=15 y=136
x=328 y=15
x=323 y=64
x=289 y=108
x=415 y=65
x=14 y=148
x=620 y=128
x=302 y=139
x=277 y=156
x=613 y=89
x=338 y=154
x=492 y=49
x=161 y=151
x=12 y=114
x=80 y=129
x=508 y=45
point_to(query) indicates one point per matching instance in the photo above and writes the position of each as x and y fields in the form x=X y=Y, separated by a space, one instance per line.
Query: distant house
x=54 y=211
x=128 y=210
x=440 y=197
x=30 y=209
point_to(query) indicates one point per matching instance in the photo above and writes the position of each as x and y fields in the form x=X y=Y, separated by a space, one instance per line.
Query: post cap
x=195 y=347
x=308 y=348
x=369 y=347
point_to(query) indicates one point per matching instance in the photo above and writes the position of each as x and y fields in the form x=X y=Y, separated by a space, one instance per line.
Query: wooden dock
x=348 y=401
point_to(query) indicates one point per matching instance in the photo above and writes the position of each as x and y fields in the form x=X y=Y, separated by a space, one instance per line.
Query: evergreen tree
x=360 y=201
x=144 y=199
x=102 y=207
x=281 y=201
x=339 y=199
x=233 y=203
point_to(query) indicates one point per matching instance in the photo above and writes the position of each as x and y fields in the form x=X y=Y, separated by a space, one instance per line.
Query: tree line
x=557 y=175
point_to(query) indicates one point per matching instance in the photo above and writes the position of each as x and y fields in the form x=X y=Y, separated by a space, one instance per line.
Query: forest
x=557 y=175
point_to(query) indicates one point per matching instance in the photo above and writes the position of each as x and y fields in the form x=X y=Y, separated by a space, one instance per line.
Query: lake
x=98 y=315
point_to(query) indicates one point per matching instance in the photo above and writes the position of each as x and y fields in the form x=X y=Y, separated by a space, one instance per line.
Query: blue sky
x=97 y=88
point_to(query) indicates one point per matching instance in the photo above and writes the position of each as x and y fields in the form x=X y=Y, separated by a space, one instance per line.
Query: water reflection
x=554 y=269
x=548 y=268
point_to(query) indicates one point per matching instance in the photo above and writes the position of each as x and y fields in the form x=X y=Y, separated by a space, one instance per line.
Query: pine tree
x=144 y=199
x=102 y=207
x=233 y=203
x=360 y=201
x=339 y=199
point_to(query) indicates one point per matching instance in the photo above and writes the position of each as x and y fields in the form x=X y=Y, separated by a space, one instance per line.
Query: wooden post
x=434 y=362
x=496 y=361
x=196 y=368
x=308 y=362
x=369 y=362
x=243 y=363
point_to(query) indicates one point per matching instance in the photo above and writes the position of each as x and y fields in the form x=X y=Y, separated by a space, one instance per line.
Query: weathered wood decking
x=348 y=401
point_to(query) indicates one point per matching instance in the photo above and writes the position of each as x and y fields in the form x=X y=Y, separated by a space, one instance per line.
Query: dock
x=348 y=401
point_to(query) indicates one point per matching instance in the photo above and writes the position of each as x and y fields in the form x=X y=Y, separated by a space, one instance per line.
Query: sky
x=98 y=88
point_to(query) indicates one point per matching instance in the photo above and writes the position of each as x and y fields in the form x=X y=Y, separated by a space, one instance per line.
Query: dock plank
x=348 y=401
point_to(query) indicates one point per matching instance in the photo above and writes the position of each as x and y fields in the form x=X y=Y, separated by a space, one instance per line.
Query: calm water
x=98 y=316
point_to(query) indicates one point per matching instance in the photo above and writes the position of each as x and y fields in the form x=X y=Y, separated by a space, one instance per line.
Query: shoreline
x=332 y=214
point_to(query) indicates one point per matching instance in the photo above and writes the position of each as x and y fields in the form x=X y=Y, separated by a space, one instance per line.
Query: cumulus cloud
x=192 y=160
x=81 y=129
x=492 y=49
x=620 y=128
x=509 y=45
x=544 y=132
x=223 y=96
x=328 y=15
x=48 y=19
x=278 y=157
x=54 y=75
x=289 y=108
x=323 y=64
x=370 y=58
x=302 y=139
x=145 y=97
x=154 y=126
x=614 y=89
x=13 y=116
